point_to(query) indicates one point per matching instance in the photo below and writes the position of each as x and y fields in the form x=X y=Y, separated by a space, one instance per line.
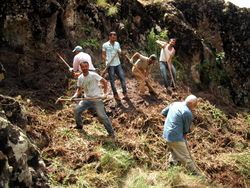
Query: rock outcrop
x=30 y=31
x=20 y=162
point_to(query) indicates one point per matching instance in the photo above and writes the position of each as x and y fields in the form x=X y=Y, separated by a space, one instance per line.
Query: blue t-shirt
x=178 y=121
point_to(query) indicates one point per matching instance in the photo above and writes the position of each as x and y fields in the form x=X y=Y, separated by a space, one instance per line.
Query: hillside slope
x=218 y=143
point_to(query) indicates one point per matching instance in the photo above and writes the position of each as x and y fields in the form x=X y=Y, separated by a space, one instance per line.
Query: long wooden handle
x=103 y=72
x=169 y=68
x=142 y=76
x=79 y=99
x=171 y=74
x=63 y=60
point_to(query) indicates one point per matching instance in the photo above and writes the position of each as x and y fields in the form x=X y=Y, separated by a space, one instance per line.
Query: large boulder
x=21 y=164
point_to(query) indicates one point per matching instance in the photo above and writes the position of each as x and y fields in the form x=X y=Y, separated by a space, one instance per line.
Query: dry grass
x=78 y=159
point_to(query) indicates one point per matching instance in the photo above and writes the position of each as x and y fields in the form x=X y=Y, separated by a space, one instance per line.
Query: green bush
x=112 y=10
x=152 y=47
x=90 y=43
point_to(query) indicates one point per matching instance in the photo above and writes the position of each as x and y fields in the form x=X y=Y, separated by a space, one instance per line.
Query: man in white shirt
x=167 y=68
x=80 y=56
x=88 y=81
x=110 y=51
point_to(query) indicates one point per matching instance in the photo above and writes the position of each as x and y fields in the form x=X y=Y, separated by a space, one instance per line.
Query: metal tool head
x=59 y=99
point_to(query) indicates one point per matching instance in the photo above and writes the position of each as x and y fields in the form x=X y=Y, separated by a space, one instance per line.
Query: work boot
x=77 y=127
x=125 y=95
x=117 y=98
x=111 y=137
x=152 y=92
x=169 y=91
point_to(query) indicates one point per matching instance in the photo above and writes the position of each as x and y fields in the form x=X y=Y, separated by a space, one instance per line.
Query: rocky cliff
x=206 y=31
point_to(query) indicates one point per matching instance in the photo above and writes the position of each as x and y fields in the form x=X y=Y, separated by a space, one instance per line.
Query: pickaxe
x=168 y=63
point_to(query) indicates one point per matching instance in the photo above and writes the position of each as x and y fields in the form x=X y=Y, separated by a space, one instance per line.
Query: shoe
x=117 y=98
x=172 y=164
x=152 y=93
x=125 y=96
x=77 y=127
x=112 y=136
x=169 y=91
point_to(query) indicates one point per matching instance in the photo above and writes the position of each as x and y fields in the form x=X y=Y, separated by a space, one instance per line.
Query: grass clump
x=239 y=160
x=173 y=177
x=212 y=114
x=102 y=3
x=112 y=10
x=116 y=161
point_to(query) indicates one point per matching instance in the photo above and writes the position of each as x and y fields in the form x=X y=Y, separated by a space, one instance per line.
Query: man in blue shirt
x=110 y=51
x=177 y=124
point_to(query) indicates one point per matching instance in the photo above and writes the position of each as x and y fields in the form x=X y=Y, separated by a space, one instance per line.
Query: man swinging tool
x=79 y=57
x=88 y=81
x=141 y=70
x=110 y=51
x=167 y=68
x=177 y=124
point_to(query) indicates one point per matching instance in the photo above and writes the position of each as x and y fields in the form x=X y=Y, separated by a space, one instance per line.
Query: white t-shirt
x=90 y=85
x=81 y=57
x=166 y=54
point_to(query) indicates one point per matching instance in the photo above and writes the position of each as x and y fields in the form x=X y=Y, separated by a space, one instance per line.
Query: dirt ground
x=215 y=132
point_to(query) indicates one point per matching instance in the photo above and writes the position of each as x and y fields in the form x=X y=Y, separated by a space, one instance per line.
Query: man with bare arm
x=110 y=55
x=141 y=70
x=88 y=81
x=167 y=68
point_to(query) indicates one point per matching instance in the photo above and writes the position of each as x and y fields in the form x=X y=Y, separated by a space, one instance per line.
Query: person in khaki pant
x=177 y=124
x=141 y=69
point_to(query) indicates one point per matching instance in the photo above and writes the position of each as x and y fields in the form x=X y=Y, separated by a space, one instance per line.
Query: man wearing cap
x=80 y=56
x=167 y=68
x=110 y=51
x=141 y=69
x=89 y=82
x=177 y=124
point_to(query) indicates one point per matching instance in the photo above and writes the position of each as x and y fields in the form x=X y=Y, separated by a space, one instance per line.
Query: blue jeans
x=166 y=74
x=112 y=70
x=98 y=106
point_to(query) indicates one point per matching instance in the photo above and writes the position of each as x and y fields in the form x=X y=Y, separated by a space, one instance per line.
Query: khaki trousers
x=141 y=81
x=179 y=153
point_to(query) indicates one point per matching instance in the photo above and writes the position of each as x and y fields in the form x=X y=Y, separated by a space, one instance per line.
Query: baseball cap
x=77 y=49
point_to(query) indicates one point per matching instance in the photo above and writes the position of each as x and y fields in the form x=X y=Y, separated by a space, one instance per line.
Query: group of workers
x=178 y=114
